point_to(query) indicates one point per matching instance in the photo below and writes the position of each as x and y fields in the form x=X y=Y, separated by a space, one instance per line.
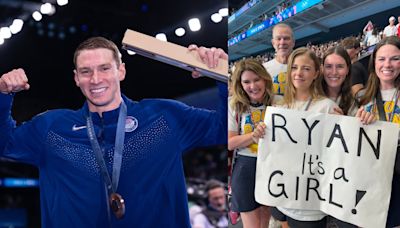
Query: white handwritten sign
x=327 y=162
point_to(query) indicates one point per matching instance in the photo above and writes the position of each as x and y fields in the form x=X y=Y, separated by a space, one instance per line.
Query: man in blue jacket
x=114 y=162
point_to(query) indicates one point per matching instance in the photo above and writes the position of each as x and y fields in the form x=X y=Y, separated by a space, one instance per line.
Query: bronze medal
x=117 y=205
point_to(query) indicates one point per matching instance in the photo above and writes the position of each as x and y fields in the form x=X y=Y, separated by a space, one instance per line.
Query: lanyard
x=116 y=202
x=119 y=143
x=379 y=104
x=307 y=105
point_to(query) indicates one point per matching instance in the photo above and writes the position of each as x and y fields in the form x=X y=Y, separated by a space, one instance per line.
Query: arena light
x=5 y=33
x=194 y=24
x=180 y=32
x=1 y=41
x=47 y=9
x=61 y=35
x=161 y=36
x=223 y=12
x=37 y=16
x=72 y=29
x=216 y=17
x=62 y=2
x=16 y=26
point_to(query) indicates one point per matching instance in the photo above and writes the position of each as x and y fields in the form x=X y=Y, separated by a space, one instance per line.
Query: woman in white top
x=251 y=94
x=374 y=39
x=303 y=92
x=336 y=68
x=381 y=101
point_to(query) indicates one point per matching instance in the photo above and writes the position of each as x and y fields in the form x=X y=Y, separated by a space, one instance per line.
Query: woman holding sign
x=303 y=92
x=381 y=102
x=251 y=94
x=336 y=67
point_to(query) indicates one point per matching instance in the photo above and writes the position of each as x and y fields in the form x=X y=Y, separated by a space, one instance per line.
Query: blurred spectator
x=373 y=39
x=352 y=46
x=206 y=163
x=391 y=29
x=359 y=75
x=367 y=31
x=214 y=214
x=398 y=26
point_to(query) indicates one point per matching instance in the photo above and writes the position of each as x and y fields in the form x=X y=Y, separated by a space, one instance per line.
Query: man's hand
x=14 y=81
x=209 y=56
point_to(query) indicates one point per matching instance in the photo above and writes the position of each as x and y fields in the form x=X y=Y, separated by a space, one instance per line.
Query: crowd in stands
x=208 y=163
x=205 y=171
x=269 y=14
x=370 y=35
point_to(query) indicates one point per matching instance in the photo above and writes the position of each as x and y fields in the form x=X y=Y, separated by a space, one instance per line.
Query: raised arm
x=11 y=82
x=209 y=56
x=14 y=81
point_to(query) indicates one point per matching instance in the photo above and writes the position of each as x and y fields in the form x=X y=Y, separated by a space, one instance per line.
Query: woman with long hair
x=251 y=94
x=303 y=92
x=381 y=102
x=336 y=83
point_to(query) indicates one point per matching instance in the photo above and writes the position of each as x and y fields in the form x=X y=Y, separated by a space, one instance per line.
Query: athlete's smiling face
x=98 y=75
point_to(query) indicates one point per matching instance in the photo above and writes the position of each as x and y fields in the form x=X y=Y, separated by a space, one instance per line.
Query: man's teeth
x=99 y=90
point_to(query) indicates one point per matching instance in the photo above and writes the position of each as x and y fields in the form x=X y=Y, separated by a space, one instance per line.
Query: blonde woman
x=303 y=92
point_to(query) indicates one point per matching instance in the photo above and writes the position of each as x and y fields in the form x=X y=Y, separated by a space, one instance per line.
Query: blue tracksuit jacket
x=151 y=179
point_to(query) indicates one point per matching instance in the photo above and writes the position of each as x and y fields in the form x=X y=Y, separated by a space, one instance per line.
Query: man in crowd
x=214 y=215
x=283 y=42
x=391 y=29
x=359 y=74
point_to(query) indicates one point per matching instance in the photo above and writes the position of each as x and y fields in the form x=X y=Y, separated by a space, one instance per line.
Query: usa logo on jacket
x=131 y=123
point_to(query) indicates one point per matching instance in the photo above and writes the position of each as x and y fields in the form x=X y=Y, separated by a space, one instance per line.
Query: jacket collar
x=108 y=117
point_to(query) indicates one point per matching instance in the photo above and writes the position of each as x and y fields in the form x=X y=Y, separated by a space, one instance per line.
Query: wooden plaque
x=172 y=54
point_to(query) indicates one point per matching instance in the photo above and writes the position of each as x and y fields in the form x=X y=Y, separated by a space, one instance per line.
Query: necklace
x=394 y=99
x=381 y=110
x=255 y=105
